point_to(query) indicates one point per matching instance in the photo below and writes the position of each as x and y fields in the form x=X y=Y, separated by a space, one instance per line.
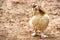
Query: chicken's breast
x=39 y=22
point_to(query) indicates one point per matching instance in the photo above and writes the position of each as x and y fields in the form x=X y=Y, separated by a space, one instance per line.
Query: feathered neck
x=38 y=11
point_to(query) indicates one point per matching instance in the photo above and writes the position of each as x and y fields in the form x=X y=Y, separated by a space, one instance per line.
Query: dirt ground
x=15 y=14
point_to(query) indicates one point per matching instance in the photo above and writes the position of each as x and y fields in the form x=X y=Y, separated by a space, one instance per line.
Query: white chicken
x=39 y=21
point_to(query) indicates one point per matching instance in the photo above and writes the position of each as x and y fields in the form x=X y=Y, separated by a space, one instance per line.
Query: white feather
x=30 y=21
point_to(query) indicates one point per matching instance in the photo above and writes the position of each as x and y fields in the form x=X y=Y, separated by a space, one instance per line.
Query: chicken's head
x=37 y=9
x=34 y=5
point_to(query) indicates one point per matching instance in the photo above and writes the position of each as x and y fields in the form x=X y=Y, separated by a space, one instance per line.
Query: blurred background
x=15 y=14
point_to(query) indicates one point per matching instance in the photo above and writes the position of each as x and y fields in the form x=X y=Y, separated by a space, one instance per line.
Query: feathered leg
x=43 y=35
x=34 y=32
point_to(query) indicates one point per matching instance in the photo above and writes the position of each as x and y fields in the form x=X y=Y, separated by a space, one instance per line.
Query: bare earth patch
x=15 y=14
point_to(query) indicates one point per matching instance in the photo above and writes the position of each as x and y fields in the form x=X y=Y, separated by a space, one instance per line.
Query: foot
x=34 y=34
x=43 y=36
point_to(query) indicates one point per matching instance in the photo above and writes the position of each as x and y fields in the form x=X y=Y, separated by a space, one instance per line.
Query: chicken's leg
x=34 y=32
x=43 y=35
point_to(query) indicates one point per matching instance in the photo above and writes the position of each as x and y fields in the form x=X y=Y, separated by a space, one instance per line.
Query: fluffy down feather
x=39 y=22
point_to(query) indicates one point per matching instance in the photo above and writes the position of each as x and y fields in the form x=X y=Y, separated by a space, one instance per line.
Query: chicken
x=39 y=21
